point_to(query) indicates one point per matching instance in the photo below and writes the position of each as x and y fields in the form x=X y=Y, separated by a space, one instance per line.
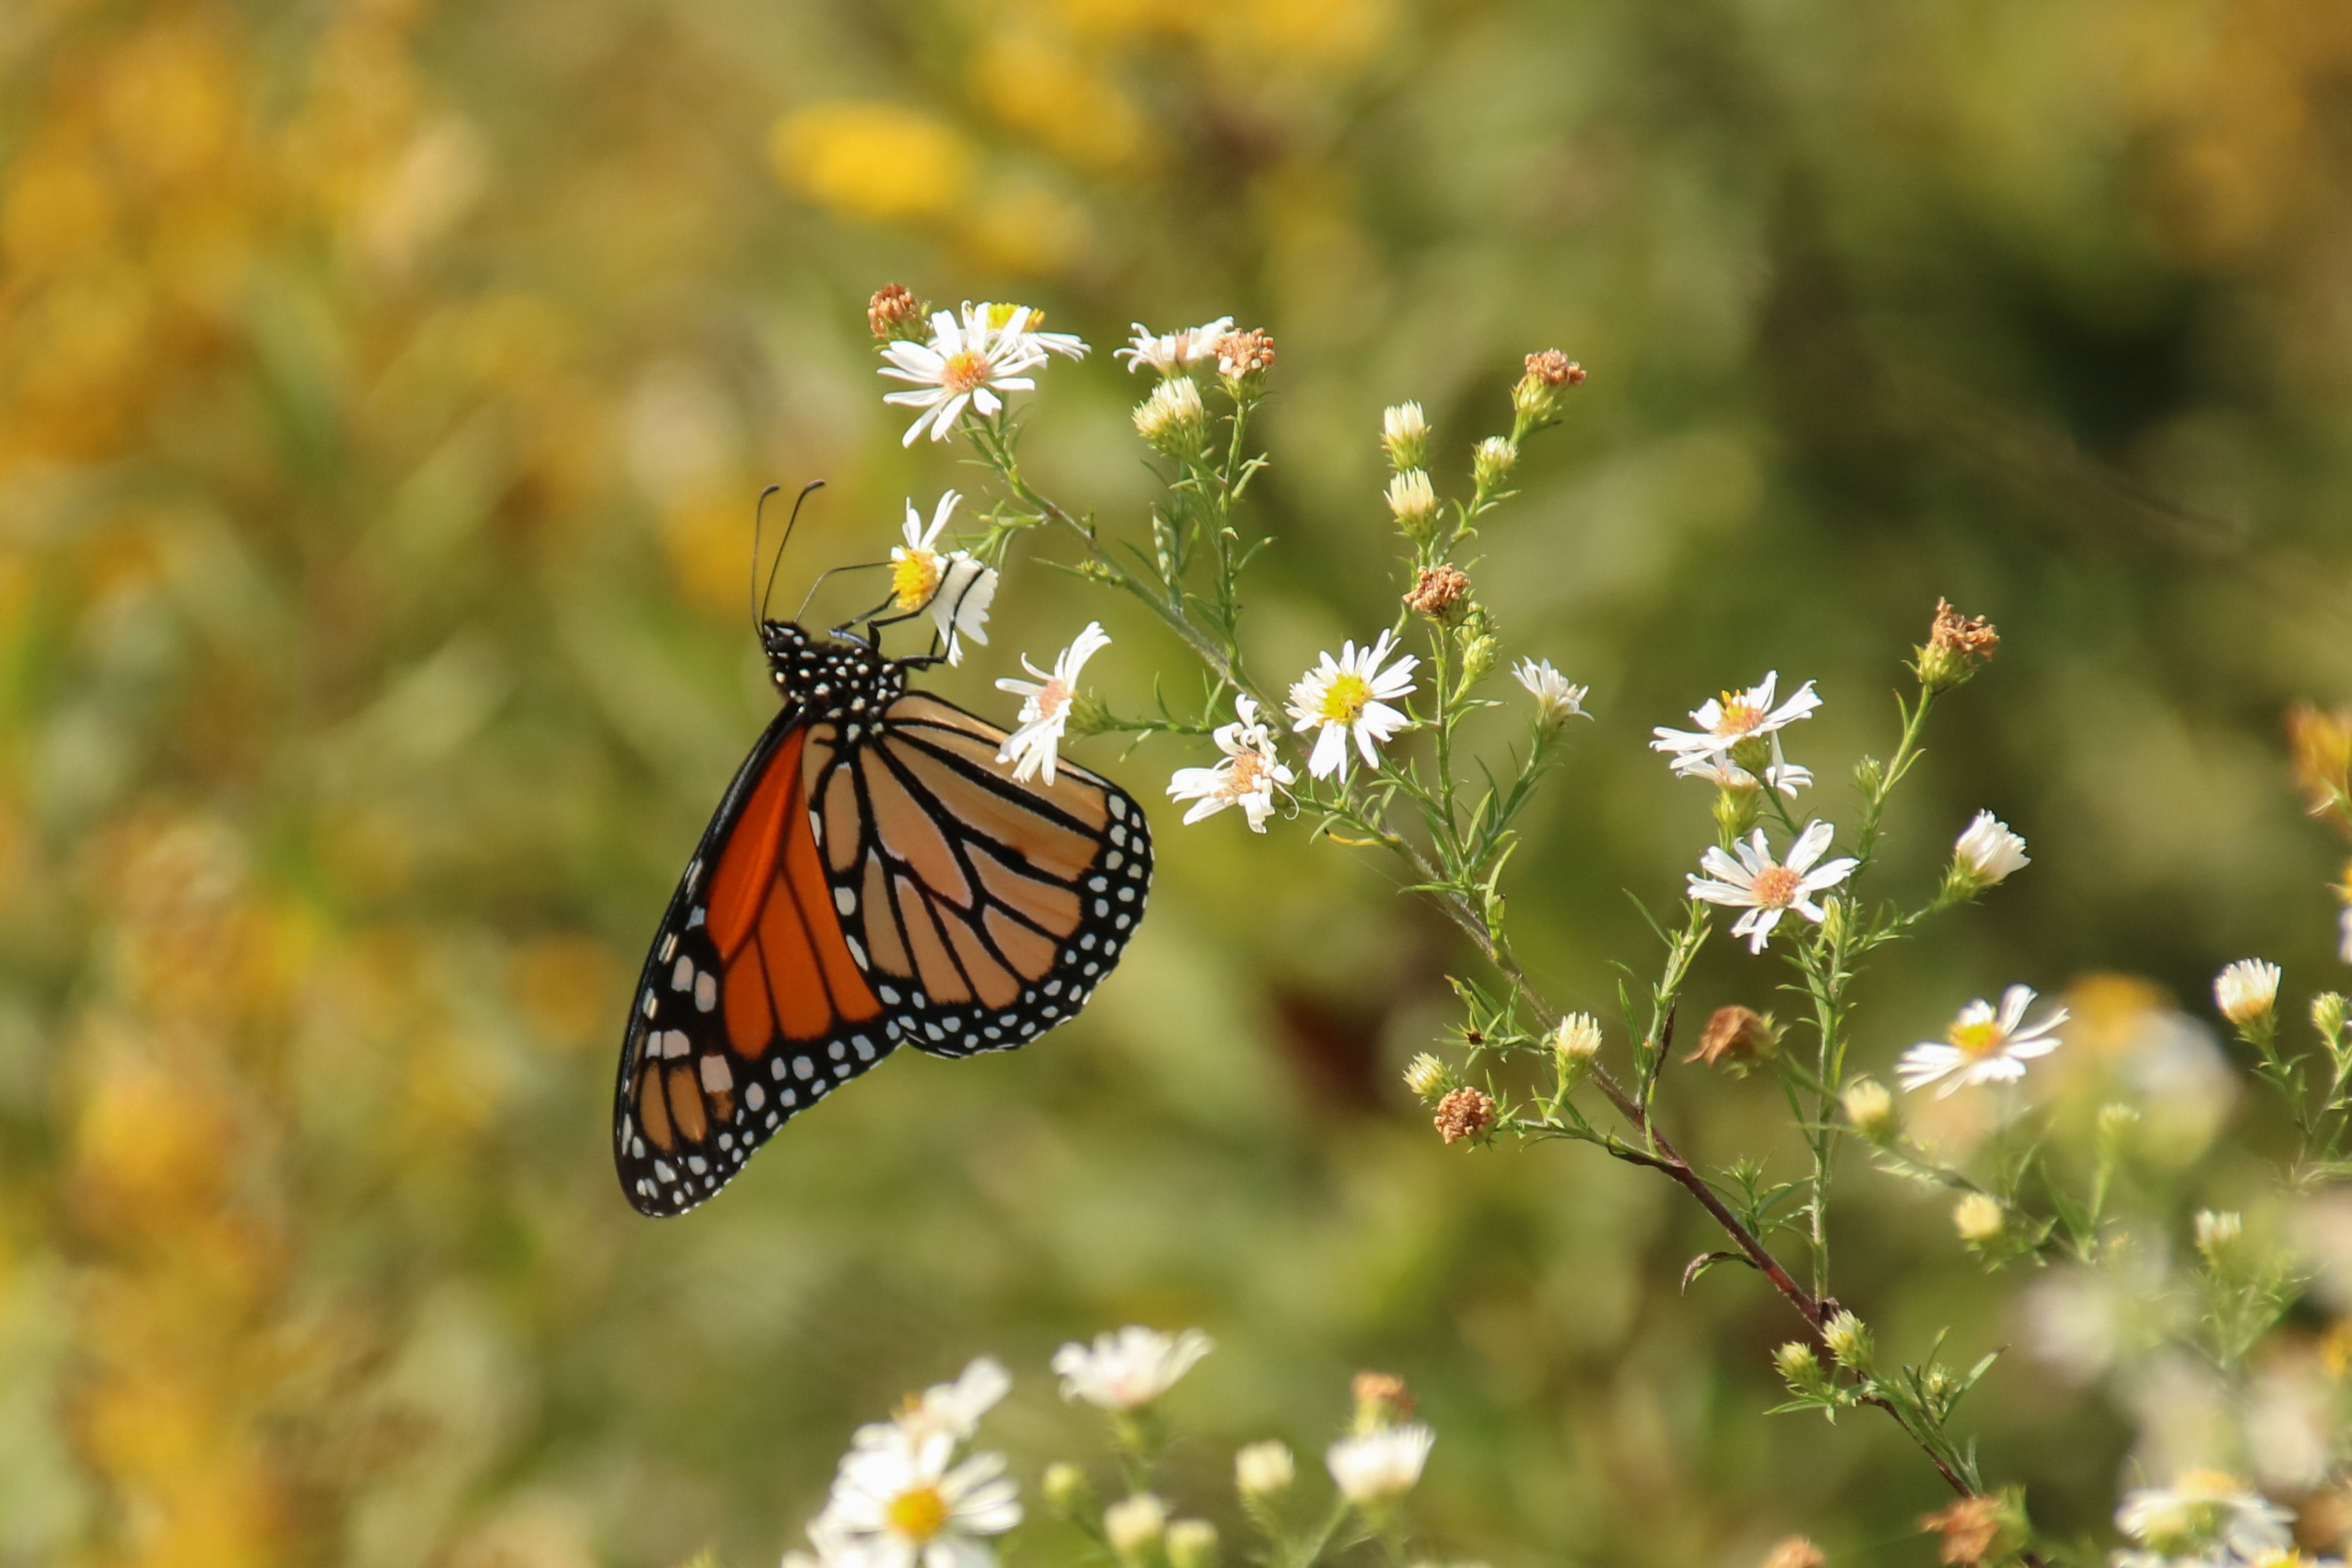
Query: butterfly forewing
x=873 y=876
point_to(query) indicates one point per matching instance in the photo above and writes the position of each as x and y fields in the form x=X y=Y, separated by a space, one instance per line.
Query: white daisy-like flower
x=1129 y=1369
x=1768 y=889
x=1247 y=777
x=1981 y=1046
x=954 y=587
x=2247 y=990
x=1724 y=722
x=1720 y=770
x=1988 y=852
x=1348 y=697
x=1169 y=352
x=2203 y=1510
x=972 y=361
x=1374 y=1467
x=1046 y=705
x=954 y=1408
x=898 y=1505
x=1556 y=700
x=1023 y=320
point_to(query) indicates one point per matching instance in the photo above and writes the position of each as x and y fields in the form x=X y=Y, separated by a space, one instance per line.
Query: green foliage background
x=382 y=391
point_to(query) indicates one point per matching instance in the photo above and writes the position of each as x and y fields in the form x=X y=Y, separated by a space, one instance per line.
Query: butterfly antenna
x=760 y=611
x=759 y=518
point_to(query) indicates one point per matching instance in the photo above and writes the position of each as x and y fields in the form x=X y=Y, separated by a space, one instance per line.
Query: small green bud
x=1870 y=1107
x=2116 y=1122
x=1979 y=1218
x=1800 y=1367
x=2327 y=1015
x=1492 y=463
x=1404 y=435
x=1869 y=776
x=1478 y=657
x=1066 y=1488
x=1427 y=1077
x=1089 y=715
x=1848 y=1339
x=1192 y=1544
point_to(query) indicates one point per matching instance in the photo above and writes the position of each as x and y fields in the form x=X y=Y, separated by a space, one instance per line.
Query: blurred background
x=383 y=389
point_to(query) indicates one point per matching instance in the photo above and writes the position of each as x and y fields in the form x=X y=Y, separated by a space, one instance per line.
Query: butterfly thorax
x=850 y=680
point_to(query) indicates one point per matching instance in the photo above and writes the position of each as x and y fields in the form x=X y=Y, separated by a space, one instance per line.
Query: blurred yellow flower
x=878 y=161
x=1066 y=103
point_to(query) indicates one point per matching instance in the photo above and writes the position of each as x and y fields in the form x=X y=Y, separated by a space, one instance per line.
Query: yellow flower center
x=1977 y=1039
x=917 y=1513
x=1000 y=315
x=914 y=578
x=964 y=370
x=1738 y=716
x=1776 y=886
x=1345 y=699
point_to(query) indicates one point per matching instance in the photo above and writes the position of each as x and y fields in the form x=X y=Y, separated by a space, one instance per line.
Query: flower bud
x=1066 y=1488
x=895 y=315
x=2328 y=1013
x=1381 y=1400
x=1426 y=1077
x=1848 y=1339
x=1957 y=644
x=1478 y=657
x=1491 y=462
x=1404 y=433
x=1263 y=1470
x=1737 y=1038
x=1577 y=1039
x=2115 y=1124
x=2218 y=1234
x=1414 y=504
x=1979 y=1218
x=1870 y=1107
x=1800 y=1367
x=2247 y=991
x=1465 y=1113
x=1133 y=1523
x=1537 y=397
x=1193 y=1543
x=1172 y=421
x=1986 y=854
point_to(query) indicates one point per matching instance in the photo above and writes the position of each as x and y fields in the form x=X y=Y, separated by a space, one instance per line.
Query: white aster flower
x=953 y=1408
x=1376 y=1466
x=1768 y=889
x=1724 y=722
x=1046 y=705
x=897 y=1505
x=1981 y=1047
x=1350 y=697
x=1129 y=1369
x=1022 y=321
x=2203 y=1510
x=1247 y=777
x=1556 y=700
x=953 y=586
x=1720 y=770
x=969 y=362
x=1172 y=351
x=1988 y=852
x=2247 y=991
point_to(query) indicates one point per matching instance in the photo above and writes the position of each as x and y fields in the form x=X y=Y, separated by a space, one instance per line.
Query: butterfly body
x=873 y=878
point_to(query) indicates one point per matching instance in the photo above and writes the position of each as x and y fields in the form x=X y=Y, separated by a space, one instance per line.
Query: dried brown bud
x=1463 y=1114
x=1736 y=1037
x=1536 y=398
x=1554 y=368
x=1243 y=354
x=1957 y=644
x=1796 y=1552
x=1438 y=590
x=895 y=314
x=1969 y=1529
x=2321 y=742
x=1381 y=1400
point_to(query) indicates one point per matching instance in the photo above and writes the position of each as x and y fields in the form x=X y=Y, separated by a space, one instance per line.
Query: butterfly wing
x=983 y=910
x=852 y=894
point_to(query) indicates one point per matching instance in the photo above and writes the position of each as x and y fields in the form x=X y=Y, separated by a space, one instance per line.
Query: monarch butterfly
x=873 y=878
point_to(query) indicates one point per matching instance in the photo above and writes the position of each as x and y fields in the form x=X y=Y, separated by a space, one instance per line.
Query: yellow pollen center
x=917 y=1513
x=914 y=578
x=1977 y=1039
x=1345 y=698
x=964 y=370
x=1776 y=886
x=1738 y=717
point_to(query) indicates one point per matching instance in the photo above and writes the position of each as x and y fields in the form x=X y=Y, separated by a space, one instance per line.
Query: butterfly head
x=830 y=676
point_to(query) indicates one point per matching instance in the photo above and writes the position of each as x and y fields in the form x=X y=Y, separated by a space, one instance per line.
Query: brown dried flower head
x=1536 y=397
x=1463 y=1114
x=1381 y=1400
x=1242 y=354
x=1957 y=645
x=1971 y=1528
x=895 y=314
x=1736 y=1037
x=1439 y=591
x=1796 y=1552
x=1554 y=368
x=2321 y=742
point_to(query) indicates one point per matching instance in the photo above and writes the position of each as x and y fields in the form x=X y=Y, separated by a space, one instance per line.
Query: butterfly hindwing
x=873 y=876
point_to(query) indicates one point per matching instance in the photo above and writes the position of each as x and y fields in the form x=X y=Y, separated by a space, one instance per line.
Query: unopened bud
x=1848 y=1339
x=1578 y=1038
x=1737 y=1038
x=1132 y=1524
x=1193 y=1543
x=1404 y=434
x=1799 y=1367
x=1413 y=503
x=2328 y=1013
x=894 y=314
x=1979 y=1218
x=1870 y=1107
x=1478 y=657
x=2116 y=1123
x=1066 y=1488
x=1491 y=462
x=2218 y=1234
x=1172 y=420
x=2247 y=991
x=1426 y=1077
x=1263 y=1470
x=1383 y=1400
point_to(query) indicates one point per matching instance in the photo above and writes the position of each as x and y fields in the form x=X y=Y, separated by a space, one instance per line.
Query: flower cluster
x=906 y=1498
